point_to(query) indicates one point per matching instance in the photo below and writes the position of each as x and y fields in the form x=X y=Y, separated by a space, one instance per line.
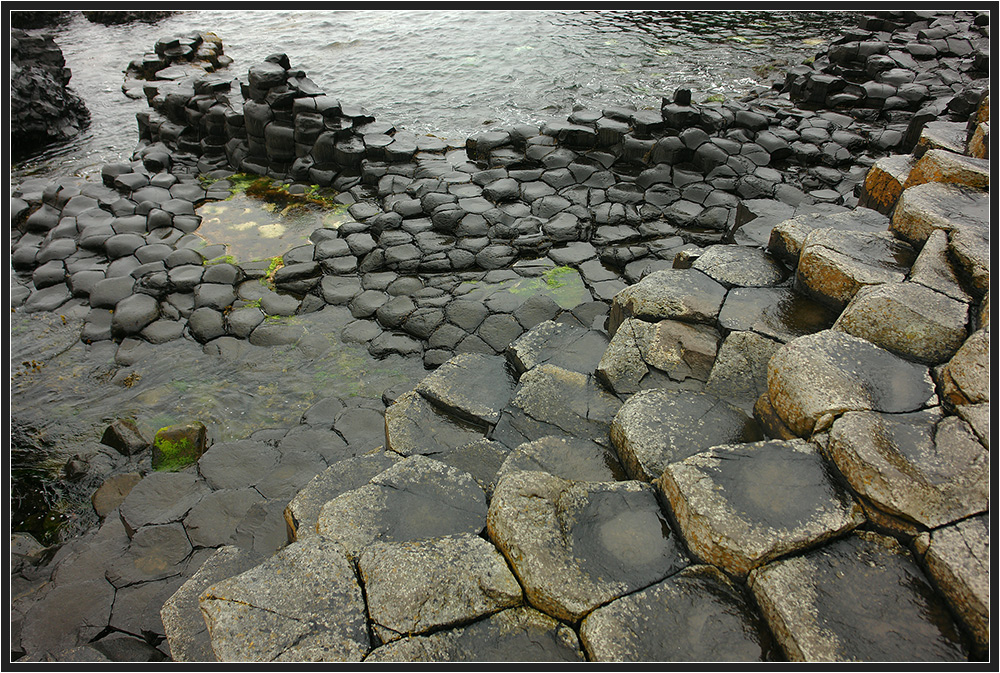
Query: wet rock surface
x=631 y=324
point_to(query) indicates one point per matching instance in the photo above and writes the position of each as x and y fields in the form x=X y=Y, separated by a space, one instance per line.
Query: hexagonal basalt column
x=742 y=505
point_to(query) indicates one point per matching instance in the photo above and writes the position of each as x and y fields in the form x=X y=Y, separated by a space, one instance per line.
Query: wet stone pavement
x=700 y=378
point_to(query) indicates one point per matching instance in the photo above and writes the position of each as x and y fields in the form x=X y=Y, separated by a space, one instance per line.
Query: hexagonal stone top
x=414 y=426
x=657 y=427
x=817 y=377
x=577 y=545
x=742 y=505
x=695 y=615
x=415 y=499
x=861 y=598
x=302 y=604
x=738 y=265
x=678 y=294
x=471 y=386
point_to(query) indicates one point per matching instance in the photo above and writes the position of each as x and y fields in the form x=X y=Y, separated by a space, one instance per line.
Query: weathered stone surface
x=473 y=387
x=403 y=584
x=161 y=497
x=740 y=506
x=302 y=512
x=679 y=294
x=907 y=319
x=521 y=634
x=787 y=237
x=187 y=635
x=969 y=245
x=641 y=354
x=737 y=265
x=933 y=268
x=815 y=378
x=576 y=545
x=213 y=521
x=861 y=598
x=156 y=552
x=561 y=344
x=937 y=205
x=739 y=375
x=884 y=182
x=835 y=264
x=481 y=458
x=415 y=426
x=550 y=400
x=958 y=558
x=923 y=467
x=695 y=615
x=570 y=458
x=237 y=464
x=415 y=499
x=657 y=427
x=965 y=379
x=67 y=616
x=302 y=604
x=938 y=165
x=776 y=312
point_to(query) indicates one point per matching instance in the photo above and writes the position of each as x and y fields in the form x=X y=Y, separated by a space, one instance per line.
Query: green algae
x=178 y=446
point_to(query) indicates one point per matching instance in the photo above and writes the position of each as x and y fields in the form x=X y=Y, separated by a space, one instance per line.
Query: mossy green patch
x=177 y=446
x=562 y=283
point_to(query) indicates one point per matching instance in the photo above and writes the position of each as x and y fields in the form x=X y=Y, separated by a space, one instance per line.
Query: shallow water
x=451 y=73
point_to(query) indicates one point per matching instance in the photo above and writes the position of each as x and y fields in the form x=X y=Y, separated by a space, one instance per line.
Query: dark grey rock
x=778 y=313
x=414 y=426
x=565 y=457
x=471 y=387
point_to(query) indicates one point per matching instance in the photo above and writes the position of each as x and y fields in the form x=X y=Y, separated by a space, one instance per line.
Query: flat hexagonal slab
x=741 y=505
x=518 y=634
x=403 y=584
x=471 y=386
x=567 y=457
x=550 y=400
x=828 y=373
x=695 y=615
x=415 y=499
x=776 y=312
x=861 y=598
x=302 y=604
x=657 y=427
x=923 y=467
x=562 y=344
x=577 y=545
x=958 y=558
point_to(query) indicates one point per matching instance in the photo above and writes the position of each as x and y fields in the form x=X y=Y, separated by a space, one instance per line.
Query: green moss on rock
x=177 y=446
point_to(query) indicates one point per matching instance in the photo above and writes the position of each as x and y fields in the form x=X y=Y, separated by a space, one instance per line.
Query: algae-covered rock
x=177 y=446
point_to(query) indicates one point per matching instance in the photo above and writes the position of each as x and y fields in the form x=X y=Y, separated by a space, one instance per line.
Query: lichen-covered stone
x=815 y=378
x=740 y=506
x=739 y=374
x=742 y=266
x=415 y=499
x=937 y=205
x=657 y=427
x=566 y=457
x=965 y=379
x=695 y=615
x=884 y=182
x=787 y=237
x=404 y=581
x=923 y=467
x=302 y=604
x=860 y=598
x=520 y=634
x=942 y=166
x=576 y=545
x=561 y=344
x=907 y=319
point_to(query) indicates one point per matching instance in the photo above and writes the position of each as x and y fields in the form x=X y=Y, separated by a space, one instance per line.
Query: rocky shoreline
x=723 y=363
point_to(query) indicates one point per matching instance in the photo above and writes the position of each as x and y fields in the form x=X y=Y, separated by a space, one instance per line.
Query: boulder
x=884 y=182
x=403 y=582
x=573 y=545
x=965 y=379
x=657 y=427
x=740 y=506
x=696 y=615
x=815 y=378
x=861 y=598
x=950 y=167
x=939 y=205
x=788 y=236
x=124 y=436
x=177 y=446
x=302 y=604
